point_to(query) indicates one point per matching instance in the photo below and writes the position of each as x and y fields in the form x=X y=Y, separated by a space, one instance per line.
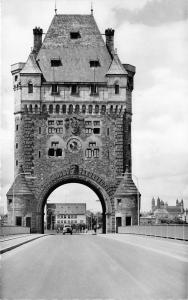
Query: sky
x=149 y=34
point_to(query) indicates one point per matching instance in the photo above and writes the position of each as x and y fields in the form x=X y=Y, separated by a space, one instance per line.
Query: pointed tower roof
x=75 y=40
x=116 y=67
x=31 y=66
x=20 y=186
x=126 y=187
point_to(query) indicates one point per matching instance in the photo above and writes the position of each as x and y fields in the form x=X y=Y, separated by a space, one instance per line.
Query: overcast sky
x=151 y=35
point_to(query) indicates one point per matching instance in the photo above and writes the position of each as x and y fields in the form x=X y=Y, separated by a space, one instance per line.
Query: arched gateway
x=73 y=118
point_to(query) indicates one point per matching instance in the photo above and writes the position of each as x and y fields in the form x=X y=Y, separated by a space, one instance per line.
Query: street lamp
x=13 y=202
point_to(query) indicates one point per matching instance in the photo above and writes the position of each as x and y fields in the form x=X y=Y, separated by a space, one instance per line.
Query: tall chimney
x=109 y=33
x=37 y=35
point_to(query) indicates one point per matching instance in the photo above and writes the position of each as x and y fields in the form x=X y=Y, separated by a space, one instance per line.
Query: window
x=57 y=108
x=51 y=122
x=51 y=109
x=39 y=154
x=44 y=108
x=16 y=145
x=118 y=202
x=108 y=131
x=116 y=89
x=16 y=77
x=88 y=123
x=59 y=122
x=70 y=109
x=103 y=110
x=18 y=221
x=16 y=127
x=36 y=108
x=96 y=123
x=94 y=63
x=39 y=130
x=64 y=109
x=96 y=130
x=75 y=35
x=96 y=152
x=30 y=87
x=92 y=144
x=88 y=153
x=96 y=109
x=74 y=89
x=88 y=130
x=16 y=162
x=54 y=89
x=90 y=109
x=83 y=109
x=77 y=109
x=9 y=201
x=56 y=62
x=94 y=89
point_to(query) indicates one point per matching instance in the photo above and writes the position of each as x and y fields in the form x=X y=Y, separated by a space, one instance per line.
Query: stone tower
x=73 y=113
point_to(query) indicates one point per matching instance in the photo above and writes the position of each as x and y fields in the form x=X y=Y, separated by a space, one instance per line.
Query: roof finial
x=55 y=8
x=91 y=8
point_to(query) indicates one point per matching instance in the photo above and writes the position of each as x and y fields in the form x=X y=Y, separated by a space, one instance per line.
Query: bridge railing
x=172 y=231
x=10 y=229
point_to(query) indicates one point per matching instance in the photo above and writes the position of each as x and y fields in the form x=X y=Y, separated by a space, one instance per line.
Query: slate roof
x=116 y=68
x=31 y=66
x=75 y=54
x=126 y=187
x=20 y=185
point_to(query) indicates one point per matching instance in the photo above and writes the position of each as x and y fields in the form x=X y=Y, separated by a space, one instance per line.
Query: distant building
x=162 y=210
x=59 y=214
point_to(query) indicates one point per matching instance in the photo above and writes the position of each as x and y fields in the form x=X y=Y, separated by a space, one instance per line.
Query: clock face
x=74 y=145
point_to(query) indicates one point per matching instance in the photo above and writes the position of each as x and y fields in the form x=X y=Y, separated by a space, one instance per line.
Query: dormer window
x=94 y=89
x=56 y=62
x=75 y=35
x=116 y=88
x=30 y=87
x=94 y=63
x=55 y=90
x=74 y=89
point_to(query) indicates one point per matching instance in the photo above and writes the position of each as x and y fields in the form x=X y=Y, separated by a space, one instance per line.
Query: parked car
x=67 y=229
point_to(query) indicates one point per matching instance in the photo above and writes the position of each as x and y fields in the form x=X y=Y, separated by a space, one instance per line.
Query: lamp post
x=13 y=200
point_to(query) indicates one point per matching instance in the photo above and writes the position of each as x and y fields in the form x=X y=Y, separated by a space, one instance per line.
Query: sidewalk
x=11 y=242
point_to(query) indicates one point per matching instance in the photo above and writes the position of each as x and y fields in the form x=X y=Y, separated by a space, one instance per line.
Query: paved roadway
x=96 y=267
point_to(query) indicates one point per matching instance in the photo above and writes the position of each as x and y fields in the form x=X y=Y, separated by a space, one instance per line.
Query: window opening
x=59 y=122
x=54 y=89
x=57 y=109
x=96 y=130
x=94 y=63
x=10 y=201
x=56 y=62
x=51 y=109
x=77 y=109
x=44 y=108
x=116 y=88
x=108 y=131
x=96 y=123
x=39 y=154
x=64 y=109
x=16 y=145
x=70 y=109
x=90 y=109
x=16 y=127
x=92 y=144
x=30 y=108
x=75 y=35
x=51 y=122
x=74 y=89
x=30 y=88
x=96 y=109
x=94 y=89
x=36 y=108
x=18 y=221
x=83 y=109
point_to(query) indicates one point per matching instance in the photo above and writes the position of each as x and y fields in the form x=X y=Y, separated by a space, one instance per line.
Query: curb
x=20 y=244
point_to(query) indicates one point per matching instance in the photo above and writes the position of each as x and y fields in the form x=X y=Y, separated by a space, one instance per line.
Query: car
x=67 y=229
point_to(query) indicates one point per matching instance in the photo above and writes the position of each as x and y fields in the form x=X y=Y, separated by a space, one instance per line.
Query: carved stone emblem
x=75 y=124
x=74 y=145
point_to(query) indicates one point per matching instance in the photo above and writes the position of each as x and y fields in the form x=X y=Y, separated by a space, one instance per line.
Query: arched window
x=90 y=109
x=96 y=109
x=30 y=87
x=64 y=109
x=103 y=110
x=70 y=109
x=116 y=88
x=36 y=108
x=51 y=109
x=30 y=108
x=111 y=109
x=25 y=108
x=77 y=109
x=57 y=109
x=83 y=109
x=44 y=108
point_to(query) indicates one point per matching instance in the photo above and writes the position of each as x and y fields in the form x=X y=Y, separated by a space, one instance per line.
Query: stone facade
x=72 y=131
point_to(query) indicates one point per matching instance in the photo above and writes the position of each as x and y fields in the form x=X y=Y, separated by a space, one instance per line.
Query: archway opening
x=76 y=203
